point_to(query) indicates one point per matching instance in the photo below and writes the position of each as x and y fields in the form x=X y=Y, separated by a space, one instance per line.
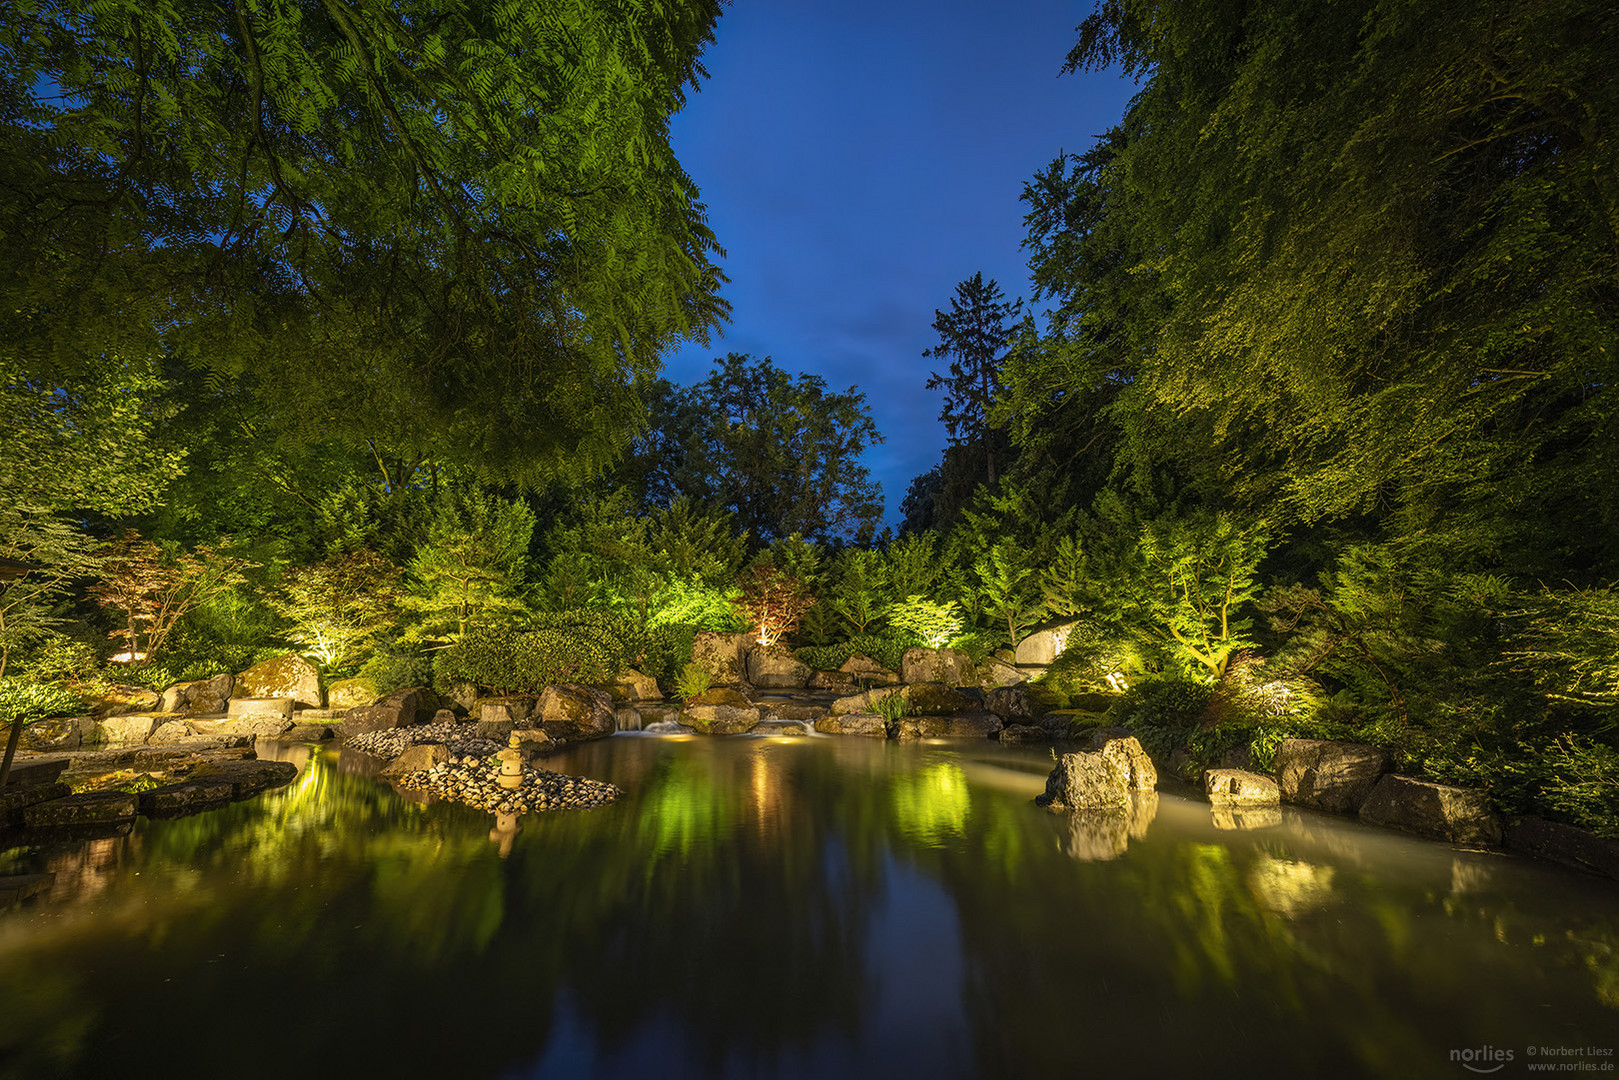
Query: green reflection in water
x=931 y=805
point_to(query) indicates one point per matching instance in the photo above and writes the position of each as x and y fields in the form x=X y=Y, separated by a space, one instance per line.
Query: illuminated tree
x=772 y=603
x=152 y=589
x=339 y=605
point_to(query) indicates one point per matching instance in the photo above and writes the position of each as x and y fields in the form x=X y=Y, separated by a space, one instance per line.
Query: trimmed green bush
x=887 y=649
x=526 y=663
x=668 y=651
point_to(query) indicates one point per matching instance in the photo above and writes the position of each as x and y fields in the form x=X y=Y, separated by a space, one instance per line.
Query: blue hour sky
x=860 y=159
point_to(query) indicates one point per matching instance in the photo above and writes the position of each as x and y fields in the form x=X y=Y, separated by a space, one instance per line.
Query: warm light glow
x=1059 y=639
x=1116 y=682
x=127 y=657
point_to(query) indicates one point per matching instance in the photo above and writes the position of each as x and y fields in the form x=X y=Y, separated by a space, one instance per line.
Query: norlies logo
x=1484 y=1059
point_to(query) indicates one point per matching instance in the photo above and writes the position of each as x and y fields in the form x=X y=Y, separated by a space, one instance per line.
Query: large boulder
x=171 y=731
x=720 y=719
x=721 y=656
x=88 y=808
x=58 y=733
x=937 y=699
x=418 y=758
x=866 y=701
x=970 y=725
x=995 y=672
x=126 y=729
x=832 y=682
x=1241 y=787
x=1024 y=733
x=18 y=797
x=952 y=667
x=633 y=686
x=399 y=709
x=1325 y=775
x=573 y=712
x=248 y=777
x=516 y=708
x=1014 y=704
x=269 y=725
x=288 y=676
x=1127 y=755
x=773 y=667
x=199 y=698
x=240 y=707
x=867 y=672
x=1565 y=844
x=346 y=694
x=1085 y=781
x=1432 y=810
x=1043 y=646
x=118 y=700
x=853 y=724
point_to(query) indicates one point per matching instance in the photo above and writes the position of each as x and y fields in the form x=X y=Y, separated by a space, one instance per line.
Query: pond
x=807 y=907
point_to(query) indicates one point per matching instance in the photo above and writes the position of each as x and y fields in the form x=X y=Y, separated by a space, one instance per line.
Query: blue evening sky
x=858 y=160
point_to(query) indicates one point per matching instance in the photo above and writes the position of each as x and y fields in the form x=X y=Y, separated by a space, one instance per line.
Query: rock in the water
x=867 y=672
x=126 y=729
x=288 y=676
x=1099 y=835
x=1565 y=844
x=970 y=725
x=572 y=712
x=346 y=694
x=1237 y=816
x=1024 y=733
x=186 y=797
x=1432 y=810
x=1013 y=704
x=720 y=719
x=952 y=667
x=170 y=731
x=260 y=707
x=1130 y=759
x=1240 y=786
x=268 y=725
x=418 y=758
x=867 y=702
x=15 y=798
x=198 y=698
x=832 y=682
x=773 y=667
x=88 y=808
x=398 y=709
x=246 y=777
x=308 y=733
x=781 y=729
x=1335 y=776
x=721 y=656
x=792 y=710
x=937 y=699
x=1085 y=781
x=633 y=686
x=1043 y=646
x=853 y=724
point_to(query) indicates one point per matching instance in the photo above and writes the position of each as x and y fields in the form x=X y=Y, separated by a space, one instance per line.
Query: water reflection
x=805 y=908
x=1246 y=817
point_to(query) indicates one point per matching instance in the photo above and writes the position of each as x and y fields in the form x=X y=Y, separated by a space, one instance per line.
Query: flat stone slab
x=15 y=799
x=44 y=770
x=15 y=888
x=869 y=724
x=247 y=778
x=1436 y=811
x=186 y=797
x=307 y=733
x=89 y=808
x=1565 y=844
x=780 y=728
x=273 y=706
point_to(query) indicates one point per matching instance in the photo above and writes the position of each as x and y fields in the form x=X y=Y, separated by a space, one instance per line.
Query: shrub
x=935 y=624
x=623 y=639
x=526 y=663
x=892 y=707
x=772 y=603
x=692 y=681
x=668 y=650
x=887 y=649
x=389 y=670
x=28 y=701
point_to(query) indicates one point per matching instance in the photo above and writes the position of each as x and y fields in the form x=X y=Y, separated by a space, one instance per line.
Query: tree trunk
x=11 y=750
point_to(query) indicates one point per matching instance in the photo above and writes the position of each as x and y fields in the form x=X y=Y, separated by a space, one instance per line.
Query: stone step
x=88 y=808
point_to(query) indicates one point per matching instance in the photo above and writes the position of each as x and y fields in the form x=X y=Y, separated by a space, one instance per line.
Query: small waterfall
x=629 y=719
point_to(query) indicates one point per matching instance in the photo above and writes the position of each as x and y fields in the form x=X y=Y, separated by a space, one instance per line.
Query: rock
x=126 y=729
x=246 y=777
x=463 y=698
x=198 y=698
x=1565 y=844
x=171 y=731
x=832 y=682
x=632 y=686
x=16 y=798
x=260 y=707
x=721 y=656
x=720 y=719
x=308 y=733
x=791 y=710
x=1024 y=733
x=533 y=741
x=269 y=725
x=571 y=712
x=627 y=718
x=853 y=724
x=89 y=808
x=937 y=699
x=867 y=702
x=952 y=667
x=773 y=667
x=1100 y=835
x=720 y=695
x=1432 y=810
x=501 y=712
x=780 y=729
x=119 y=700
x=346 y=694
x=58 y=733
x=867 y=672
x=494 y=730
x=288 y=676
x=444 y=716
x=972 y=725
x=418 y=758
x=37 y=770
x=1129 y=758
x=1085 y=781
x=1013 y=704
x=995 y=673
x=1335 y=776
x=398 y=709
x=1043 y=646
x=1101 y=736
x=1240 y=786
x=186 y=797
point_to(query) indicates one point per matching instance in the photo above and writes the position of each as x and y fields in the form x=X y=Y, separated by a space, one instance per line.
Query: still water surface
x=822 y=907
